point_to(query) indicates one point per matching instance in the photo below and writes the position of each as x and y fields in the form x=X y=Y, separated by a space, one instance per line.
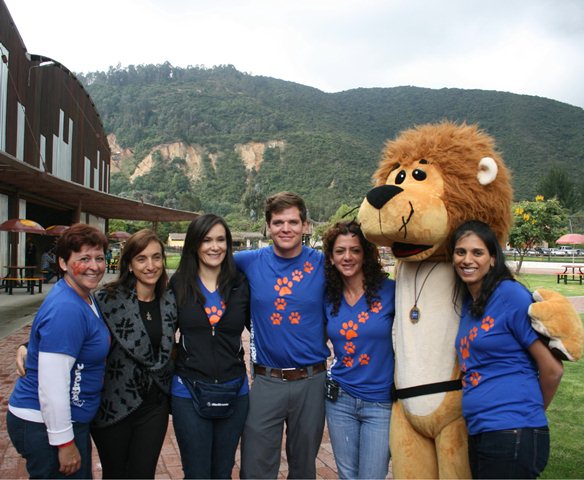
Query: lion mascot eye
x=401 y=177
x=419 y=175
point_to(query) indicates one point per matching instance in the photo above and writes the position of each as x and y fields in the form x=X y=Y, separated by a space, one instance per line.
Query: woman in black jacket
x=209 y=388
x=140 y=311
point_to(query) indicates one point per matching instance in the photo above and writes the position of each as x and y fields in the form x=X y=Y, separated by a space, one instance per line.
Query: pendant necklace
x=415 y=311
x=148 y=316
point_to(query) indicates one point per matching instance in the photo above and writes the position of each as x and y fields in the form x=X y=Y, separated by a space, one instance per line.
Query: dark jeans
x=30 y=440
x=130 y=448
x=515 y=453
x=207 y=446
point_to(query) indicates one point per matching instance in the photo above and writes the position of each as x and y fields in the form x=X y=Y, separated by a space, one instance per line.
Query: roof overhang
x=30 y=183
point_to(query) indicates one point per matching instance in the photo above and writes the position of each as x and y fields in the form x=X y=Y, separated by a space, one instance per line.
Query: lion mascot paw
x=554 y=317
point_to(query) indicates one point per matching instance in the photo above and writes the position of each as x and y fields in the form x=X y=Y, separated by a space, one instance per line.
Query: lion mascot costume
x=431 y=179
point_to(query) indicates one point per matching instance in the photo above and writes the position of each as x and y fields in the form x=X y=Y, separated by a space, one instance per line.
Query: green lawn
x=566 y=420
x=548 y=280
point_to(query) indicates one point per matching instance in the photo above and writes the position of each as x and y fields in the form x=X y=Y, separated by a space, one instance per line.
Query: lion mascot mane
x=431 y=178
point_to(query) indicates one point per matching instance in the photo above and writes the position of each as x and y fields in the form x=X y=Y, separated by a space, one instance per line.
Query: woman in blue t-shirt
x=51 y=407
x=359 y=310
x=509 y=375
x=209 y=389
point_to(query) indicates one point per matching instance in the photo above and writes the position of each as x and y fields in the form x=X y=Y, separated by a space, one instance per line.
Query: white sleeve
x=54 y=393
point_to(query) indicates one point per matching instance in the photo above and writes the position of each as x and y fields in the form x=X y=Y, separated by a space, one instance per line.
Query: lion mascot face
x=431 y=179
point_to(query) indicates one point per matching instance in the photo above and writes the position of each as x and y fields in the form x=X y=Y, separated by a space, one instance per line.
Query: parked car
x=542 y=250
x=556 y=252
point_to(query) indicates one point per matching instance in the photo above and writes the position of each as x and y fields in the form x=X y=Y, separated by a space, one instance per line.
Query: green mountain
x=220 y=140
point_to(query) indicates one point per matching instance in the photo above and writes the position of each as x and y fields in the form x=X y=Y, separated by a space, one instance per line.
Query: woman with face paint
x=51 y=407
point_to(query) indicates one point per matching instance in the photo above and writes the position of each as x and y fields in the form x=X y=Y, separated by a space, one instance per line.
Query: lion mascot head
x=430 y=179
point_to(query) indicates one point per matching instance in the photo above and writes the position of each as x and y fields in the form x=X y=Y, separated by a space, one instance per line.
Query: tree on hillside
x=558 y=183
x=535 y=222
x=344 y=212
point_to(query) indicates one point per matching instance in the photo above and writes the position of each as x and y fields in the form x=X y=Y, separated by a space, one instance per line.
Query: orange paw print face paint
x=280 y=304
x=297 y=275
x=363 y=317
x=364 y=359
x=214 y=314
x=276 y=318
x=348 y=361
x=349 y=347
x=294 y=318
x=349 y=330
x=474 y=379
x=283 y=286
x=308 y=268
x=376 y=306
x=464 y=348
x=488 y=323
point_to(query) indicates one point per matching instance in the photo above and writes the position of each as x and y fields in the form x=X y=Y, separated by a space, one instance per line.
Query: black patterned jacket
x=131 y=364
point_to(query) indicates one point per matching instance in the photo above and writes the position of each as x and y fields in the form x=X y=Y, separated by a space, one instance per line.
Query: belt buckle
x=286 y=370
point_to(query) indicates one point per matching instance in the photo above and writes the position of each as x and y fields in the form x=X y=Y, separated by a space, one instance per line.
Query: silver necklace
x=415 y=313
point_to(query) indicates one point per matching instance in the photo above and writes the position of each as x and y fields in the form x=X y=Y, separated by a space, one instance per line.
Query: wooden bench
x=18 y=282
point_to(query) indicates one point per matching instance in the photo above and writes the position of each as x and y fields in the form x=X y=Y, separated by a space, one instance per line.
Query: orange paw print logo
x=363 y=317
x=349 y=330
x=276 y=319
x=280 y=304
x=214 y=314
x=376 y=306
x=297 y=275
x=283 y=286
x=294 y=318
x=349 y=347
x=464 y=348
x=488 y=323
x=308 y=268
x=363 y=359
x=475 y=378
x=348 y=361
x=474 y=331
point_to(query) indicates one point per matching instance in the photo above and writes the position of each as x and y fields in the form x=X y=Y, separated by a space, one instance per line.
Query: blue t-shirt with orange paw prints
x=287 y=307
x=361 y=338
x=500 y=385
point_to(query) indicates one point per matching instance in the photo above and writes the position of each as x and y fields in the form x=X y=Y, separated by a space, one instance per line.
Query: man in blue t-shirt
x=288 y=348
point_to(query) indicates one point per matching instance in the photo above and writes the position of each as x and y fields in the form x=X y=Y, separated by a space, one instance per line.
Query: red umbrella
x=571 y=239
x=22 y=225
x=57 y=230
x=119 y=235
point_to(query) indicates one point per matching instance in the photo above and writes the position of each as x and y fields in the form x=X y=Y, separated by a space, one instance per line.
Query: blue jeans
x=207 y=446
x=359 y=433
x=30 y=440
x=515 y=453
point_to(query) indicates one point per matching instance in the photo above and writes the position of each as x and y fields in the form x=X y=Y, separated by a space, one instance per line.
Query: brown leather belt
x=289 y=374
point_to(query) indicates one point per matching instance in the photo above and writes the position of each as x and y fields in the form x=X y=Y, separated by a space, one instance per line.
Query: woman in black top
x=140 y=310
x=209 y=389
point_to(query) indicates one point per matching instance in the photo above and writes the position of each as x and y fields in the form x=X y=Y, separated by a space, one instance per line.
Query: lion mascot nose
x=379 y=196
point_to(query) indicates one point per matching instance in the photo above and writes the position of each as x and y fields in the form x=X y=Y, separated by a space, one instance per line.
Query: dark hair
x=283 y=200
x=372 y=269
x=79 y=235
x=494 y=276
x=133 y=246
x=185 y=282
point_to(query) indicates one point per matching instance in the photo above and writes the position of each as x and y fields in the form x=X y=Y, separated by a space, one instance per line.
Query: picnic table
x=572 y=273
x=22 y=276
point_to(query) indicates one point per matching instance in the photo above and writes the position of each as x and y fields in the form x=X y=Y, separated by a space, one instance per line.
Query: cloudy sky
x=533 y=47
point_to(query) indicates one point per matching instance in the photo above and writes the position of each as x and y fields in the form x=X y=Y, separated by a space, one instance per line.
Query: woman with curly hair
x=360 y=310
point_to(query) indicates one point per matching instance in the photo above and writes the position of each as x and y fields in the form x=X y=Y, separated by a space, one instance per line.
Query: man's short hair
x=283 y=200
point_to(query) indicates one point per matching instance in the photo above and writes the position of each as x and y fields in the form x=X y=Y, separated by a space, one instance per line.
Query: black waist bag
x=213 y=400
